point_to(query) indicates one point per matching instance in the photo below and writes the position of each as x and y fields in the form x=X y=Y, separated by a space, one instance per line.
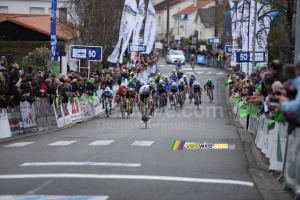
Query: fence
x=41 y=116
x=284 y=153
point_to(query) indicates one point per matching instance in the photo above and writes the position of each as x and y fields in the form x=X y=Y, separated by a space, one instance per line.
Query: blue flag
x=54 y=46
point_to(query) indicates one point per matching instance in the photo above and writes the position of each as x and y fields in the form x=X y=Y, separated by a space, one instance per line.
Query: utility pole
x=216 y=22
x=297 y=42
x=168 y=21
x=178 y=20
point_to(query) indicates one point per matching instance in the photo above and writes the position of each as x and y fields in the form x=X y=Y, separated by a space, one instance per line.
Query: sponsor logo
x=129 y=10
x=79 y=53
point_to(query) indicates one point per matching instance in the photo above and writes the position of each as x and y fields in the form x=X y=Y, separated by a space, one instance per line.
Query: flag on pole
x=54 y=45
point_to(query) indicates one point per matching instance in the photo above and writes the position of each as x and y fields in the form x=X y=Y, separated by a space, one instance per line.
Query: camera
x=274 y=101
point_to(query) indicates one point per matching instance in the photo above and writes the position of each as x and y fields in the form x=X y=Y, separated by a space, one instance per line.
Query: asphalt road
x=116 y=158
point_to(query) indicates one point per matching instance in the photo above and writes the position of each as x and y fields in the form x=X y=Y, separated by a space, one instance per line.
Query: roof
x=207 y=15
x=191 y=9
x=41 y=23
x=163 y=5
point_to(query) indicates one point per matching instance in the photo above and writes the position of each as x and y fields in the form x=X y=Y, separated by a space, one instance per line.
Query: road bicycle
x=162 y=102
x=180 y=99
x=197 y=99
x=106 y=106
x=173 y=101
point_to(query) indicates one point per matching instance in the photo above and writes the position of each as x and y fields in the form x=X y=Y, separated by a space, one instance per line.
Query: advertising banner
x=138 y=25
x=29 y=114
x=15 y=121
x=4 y=124
x=42 y=114
x=150 y=28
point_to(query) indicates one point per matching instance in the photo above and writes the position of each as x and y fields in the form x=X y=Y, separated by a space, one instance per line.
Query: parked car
x=174 y=56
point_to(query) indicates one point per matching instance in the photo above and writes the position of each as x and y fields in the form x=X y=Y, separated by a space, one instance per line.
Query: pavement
x=116 y=158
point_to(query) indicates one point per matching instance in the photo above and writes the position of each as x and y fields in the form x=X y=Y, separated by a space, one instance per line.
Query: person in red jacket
x=122 y=89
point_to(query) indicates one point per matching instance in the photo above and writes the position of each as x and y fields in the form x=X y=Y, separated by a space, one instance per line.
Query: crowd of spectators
x=273 y=89
x=17 y=86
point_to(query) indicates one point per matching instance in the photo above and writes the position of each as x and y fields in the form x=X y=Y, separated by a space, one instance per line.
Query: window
x=159 y=19
x=3 y=9
x=63 y=15
x=37 y=10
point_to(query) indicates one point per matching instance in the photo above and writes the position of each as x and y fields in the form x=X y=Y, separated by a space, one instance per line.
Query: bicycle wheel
x=190 y=96
x=210 y=98
x=145 y=115
x=122 y=110
x=198 y=101
x=175 y=103
x=128 y=108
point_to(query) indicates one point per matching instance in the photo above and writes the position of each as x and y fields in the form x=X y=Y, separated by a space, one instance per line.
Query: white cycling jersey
x=196 y=84
x=144 y=90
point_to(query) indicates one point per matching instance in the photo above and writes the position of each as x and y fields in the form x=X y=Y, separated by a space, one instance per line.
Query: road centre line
x=111 y=164
x=129 y=177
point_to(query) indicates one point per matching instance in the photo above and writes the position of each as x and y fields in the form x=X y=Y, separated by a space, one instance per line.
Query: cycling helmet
x=138 y=82
x=180 y=70
x=122 y=85
x=131 y=90
x=107 y=89
x=161 y=81
x=150 y=79
x=209 y=80
x=196 y=83
x=184 y=76
x=173 y=84
x=134 y=77
x=181 y=80
x=192 y=74
x=152 y=85
x=173 y=70
x=158 y=74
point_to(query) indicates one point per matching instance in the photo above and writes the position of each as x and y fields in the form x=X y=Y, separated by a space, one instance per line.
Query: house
x=28 y=31
x=200 y=18
x=161 y=16
x=36 y=7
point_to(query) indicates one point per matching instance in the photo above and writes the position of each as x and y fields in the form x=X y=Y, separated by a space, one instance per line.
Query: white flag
x=138 y=25
x=150 y=28
x=126 y=27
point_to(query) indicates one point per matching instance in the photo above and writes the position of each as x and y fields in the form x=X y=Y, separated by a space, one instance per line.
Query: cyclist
x=120 y=93
x=145 y=94
x=173 y=76
x=161 y=88
x=137 y=89
x=192 y=78
x=130 y=94
x=150 y=81
x=197 y=88
x=187 y=82
x=173 y=90
x=131 y=84
x=192 y=59
x=181 y=88
x=107 y=94
x=178 y=65
x=157 y=78
x=209 y=85
x=134 y=80
x=179 y=75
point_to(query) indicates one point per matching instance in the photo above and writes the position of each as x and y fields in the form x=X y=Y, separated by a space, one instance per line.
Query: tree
x=38 y=59
x=98 y=21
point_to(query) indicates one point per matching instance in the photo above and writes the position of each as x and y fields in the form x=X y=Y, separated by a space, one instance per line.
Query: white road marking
x=209 y=73
x=190 y=69
x=51 y=197
x=111 y=164
x=19 y=144
x=220 y=73
x=61 y=143
x=199 y=72
x=132 y=177
x=142 y=143
x=102 y=142
x=161 y=65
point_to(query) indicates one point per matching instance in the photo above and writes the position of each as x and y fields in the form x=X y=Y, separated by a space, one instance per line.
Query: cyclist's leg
x=176 y=97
